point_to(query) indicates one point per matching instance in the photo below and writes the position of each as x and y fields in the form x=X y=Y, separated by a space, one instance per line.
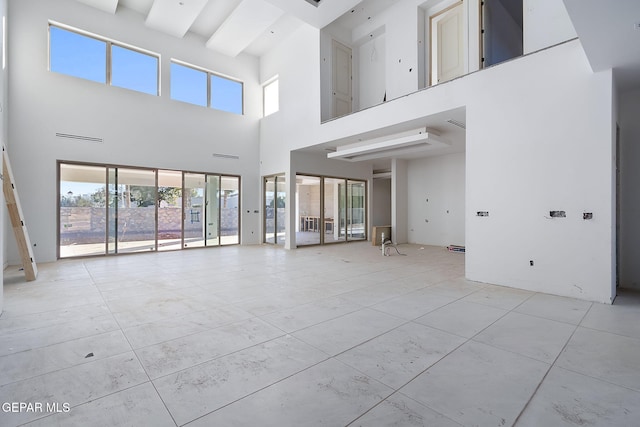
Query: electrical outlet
x=531 y=262
x=557 y=214
x=587 y=215
x=482 y=213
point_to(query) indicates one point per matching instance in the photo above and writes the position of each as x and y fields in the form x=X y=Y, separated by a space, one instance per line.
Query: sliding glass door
x=82 y=199
x=229 y=201
x=356 y=214
x=169 y=201
x=329 y=210
x=113 y=210
x=274 y=210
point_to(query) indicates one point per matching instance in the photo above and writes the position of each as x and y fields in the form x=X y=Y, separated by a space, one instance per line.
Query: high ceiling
x=610 y=35
x=232 y=26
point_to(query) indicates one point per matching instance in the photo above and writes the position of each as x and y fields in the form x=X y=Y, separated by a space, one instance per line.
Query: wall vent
x=80 y=137
x=226 y=156
x=457 y=123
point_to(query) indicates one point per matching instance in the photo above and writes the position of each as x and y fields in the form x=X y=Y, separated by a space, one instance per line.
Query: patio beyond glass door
x=212 y=211
x=229 y=199
x=194 y=213
x=133 y=204
x=356 y=215
x=274 y=209
x=113 y=210
x=334 y=222
x=169 y=210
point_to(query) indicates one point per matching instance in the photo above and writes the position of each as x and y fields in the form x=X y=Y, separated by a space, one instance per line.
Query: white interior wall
x=521 y=163
x=399 y=201
x=546 y=23
x=371 y=75
x=629 y=195
x=381 y=202
x=436 y=211
x=4 y=132
x=138 y=129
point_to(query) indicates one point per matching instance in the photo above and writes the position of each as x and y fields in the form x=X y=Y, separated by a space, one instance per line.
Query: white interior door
x=447 y=47
x=342 y=80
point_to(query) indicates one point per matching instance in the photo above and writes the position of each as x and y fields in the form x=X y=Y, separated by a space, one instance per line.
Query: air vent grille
x=457 y=123
x=79 y=137
x=226 y=156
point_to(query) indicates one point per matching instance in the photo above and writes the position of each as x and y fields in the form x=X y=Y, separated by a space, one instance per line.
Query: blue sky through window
x=188 y=85
x=134 y=70
x=226 y=95
x=85 y=57
x=77 y=55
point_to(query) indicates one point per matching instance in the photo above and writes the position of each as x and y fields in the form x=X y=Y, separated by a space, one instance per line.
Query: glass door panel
x=135 y=210
x=83 y=212
x=169 y=210
x=334 y=210
x=308 y=225
x=270 y=210
x=212 y=212
x=112 y=218
x=194 y=218
x=280 y=205
x=229 y=196
x=356 y=215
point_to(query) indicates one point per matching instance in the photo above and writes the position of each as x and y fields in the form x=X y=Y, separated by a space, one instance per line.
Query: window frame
x=108 y=64
x=209 y=74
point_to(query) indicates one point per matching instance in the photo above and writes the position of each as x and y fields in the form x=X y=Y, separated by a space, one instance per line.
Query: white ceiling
x=610 y=34
x=234 y=26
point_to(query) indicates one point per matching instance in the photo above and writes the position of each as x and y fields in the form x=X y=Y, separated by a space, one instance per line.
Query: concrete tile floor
x=334 y=336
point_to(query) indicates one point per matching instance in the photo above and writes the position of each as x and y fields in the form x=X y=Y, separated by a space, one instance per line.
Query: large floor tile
x=73 y=386
x=197 y=391
x=167 y=329
x=561 y=309
x=328 y=394
x=610 y=357
x=413 y=305
x=535 y=337
x=48 y=335
x=456 y=288
x=400 y=411
x=399 y=355
x=182 y=353
x=310 y=314
x=478 y=385
x=462 y=318
x=137 y=406
x=499 y=297
x=622 y=318
x=568 y=399
x=340 y=334
x=38 y=361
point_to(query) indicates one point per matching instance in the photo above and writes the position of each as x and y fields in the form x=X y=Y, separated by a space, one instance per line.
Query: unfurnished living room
x=320 y=213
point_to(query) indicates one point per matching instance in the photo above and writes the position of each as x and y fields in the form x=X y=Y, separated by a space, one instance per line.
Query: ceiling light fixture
x=390 y=146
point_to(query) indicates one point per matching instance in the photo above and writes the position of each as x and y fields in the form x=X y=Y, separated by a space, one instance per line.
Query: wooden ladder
x=17 y=219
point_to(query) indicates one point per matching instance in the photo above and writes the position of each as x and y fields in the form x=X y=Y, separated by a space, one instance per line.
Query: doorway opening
x=502 y=31
x=330 y=210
